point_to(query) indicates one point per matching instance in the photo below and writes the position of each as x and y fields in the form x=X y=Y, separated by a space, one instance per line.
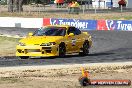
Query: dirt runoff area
x=62 y=76
x=8 y=45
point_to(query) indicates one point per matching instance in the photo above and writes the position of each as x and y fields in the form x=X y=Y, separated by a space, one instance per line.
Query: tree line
x=16 y=5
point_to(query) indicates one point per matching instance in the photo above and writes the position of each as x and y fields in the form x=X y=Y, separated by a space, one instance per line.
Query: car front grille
x=43 y=50
x=46 y=48
x=32 y=50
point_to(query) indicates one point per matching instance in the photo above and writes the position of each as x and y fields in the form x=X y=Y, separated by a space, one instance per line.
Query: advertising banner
x=125 y=25
x=81 y=24
x=109 y=4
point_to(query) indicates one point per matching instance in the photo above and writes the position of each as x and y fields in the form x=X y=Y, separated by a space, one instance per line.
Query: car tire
x=62 y=50
x=24 y=57
x=85 y=49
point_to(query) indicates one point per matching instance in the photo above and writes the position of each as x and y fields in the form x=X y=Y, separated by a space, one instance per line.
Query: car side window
x=74 y=30
x=71 y=30
x=77 y=31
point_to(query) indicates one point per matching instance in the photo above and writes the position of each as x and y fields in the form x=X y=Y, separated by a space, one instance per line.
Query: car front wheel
x=62 y=50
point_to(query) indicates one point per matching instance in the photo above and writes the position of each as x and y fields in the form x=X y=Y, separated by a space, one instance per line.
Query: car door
x=79 y=39
x=72 y=40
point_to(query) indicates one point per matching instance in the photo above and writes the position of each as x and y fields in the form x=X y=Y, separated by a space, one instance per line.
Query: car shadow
x=100 y=54
x=76 y=55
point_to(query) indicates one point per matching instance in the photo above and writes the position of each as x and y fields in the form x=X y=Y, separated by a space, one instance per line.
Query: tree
x=15 y=5
x=18 y=5
x=10 y=5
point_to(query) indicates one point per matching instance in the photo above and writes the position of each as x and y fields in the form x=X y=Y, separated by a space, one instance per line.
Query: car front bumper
x=37 y=50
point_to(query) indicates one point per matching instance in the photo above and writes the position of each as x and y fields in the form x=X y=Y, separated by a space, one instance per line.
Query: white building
x=102 y=3
x=107 y=3
x=129 y=4
x=115 y=3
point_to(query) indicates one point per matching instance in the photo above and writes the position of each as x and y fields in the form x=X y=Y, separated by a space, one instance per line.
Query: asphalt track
x=108 y=46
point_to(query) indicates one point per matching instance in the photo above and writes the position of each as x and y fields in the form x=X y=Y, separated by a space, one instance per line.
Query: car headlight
x=48 y=44
x=21 y=44
x=90 y=37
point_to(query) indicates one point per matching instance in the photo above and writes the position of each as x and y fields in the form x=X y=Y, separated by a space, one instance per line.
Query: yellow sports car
x=54 y=40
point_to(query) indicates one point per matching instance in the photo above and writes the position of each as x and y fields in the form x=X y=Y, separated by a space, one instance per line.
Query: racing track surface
x=108 y=46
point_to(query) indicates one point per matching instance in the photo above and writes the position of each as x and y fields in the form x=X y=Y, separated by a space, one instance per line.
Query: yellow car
x=54 y=40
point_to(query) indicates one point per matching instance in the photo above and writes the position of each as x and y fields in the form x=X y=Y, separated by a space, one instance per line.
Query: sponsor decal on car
x=73 y=42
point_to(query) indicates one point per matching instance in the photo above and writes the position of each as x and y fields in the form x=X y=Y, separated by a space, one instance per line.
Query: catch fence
x=53 y=8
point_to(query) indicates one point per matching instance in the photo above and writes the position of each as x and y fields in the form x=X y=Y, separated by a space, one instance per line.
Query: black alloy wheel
x=85 y=49
x=62 y=50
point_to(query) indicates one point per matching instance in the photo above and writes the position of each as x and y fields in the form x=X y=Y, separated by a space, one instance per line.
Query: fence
x=52 y=8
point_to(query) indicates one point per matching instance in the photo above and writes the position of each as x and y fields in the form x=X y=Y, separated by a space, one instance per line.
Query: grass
x=9 y=80
x=4 y=38
x=8 y=46
x=113 y=15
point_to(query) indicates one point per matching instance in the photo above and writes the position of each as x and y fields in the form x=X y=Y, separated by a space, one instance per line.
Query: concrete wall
x=21 y=22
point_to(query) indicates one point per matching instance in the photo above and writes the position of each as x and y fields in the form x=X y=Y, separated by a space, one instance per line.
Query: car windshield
x=50 y=31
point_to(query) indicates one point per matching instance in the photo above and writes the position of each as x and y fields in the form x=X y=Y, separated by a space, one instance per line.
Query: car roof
x=58 y=26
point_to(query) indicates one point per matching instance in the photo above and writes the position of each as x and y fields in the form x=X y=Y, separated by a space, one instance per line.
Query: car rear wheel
x=85 y=49
x=62 y=50
x=24 y=57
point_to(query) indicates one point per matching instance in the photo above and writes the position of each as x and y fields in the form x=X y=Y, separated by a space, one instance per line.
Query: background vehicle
x=57 y=40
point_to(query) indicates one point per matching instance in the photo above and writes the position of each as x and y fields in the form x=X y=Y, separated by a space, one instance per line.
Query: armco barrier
x=81 y=24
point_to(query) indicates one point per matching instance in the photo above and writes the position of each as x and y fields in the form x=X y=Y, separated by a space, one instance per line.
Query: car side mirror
x=85 y=33
x=71 y=34
x=30 y=34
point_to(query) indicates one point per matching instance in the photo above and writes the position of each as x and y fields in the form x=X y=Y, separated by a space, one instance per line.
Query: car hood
x=37 y=40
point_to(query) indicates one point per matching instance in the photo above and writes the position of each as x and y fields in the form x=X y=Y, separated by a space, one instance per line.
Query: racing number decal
x=73 y=42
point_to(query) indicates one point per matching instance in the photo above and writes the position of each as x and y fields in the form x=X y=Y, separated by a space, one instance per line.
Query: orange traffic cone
x=84 y=79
